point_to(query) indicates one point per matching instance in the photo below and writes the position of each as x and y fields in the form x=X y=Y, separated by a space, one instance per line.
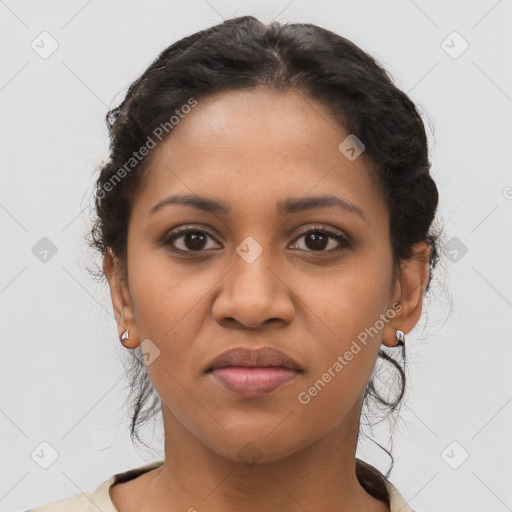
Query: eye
x=320 y=238
x=188 y=240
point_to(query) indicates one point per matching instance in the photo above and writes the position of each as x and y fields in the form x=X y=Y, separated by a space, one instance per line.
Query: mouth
x=254 y=381
x=251 y=373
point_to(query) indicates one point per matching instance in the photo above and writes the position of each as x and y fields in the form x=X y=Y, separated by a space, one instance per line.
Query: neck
x=320 y=476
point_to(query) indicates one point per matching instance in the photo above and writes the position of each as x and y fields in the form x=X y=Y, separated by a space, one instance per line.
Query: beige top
x=99 y=499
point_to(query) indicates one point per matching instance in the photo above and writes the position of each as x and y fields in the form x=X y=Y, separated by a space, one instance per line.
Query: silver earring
x=400 y=338
x=126 y=335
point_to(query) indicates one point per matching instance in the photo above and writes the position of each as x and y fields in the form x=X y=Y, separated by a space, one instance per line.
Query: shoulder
x=91 y=501
x=397 y=502
x=99 y=498
x=376 y=484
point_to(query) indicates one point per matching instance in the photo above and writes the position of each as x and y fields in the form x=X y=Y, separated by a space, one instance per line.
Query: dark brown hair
x=243 y=53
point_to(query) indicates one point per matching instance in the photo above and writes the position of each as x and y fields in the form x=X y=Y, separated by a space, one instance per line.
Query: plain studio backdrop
x=64 y=64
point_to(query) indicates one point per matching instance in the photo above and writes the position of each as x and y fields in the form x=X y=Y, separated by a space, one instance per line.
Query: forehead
x=255 y=146
x=259 y=122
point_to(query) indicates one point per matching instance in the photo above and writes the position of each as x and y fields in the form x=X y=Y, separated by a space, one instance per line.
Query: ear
x=410 y=285
x=121 y=299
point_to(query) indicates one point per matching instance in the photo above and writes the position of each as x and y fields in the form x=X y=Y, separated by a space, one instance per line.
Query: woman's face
x=251 y=276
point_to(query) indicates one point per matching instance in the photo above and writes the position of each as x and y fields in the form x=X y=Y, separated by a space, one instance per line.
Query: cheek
x=344 y=316
x=346 y=302
x=345 y=351
x=166 y=309
x=165 y=300
x=169 y=310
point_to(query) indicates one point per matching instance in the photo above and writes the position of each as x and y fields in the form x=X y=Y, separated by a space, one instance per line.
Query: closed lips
x=261 y=358
x=253 y=373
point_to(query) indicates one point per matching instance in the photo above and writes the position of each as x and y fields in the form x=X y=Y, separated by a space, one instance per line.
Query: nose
x=253 y=295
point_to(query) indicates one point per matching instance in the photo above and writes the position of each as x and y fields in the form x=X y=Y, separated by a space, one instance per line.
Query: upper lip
x=250 y=358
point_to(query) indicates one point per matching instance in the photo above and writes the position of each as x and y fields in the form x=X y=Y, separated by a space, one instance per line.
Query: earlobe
x=121 y=301
x=411 y=285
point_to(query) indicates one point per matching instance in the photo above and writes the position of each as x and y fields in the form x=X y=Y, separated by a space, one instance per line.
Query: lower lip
x=251 y=382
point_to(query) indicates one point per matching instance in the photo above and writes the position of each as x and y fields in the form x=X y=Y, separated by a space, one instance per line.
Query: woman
x=266 y=226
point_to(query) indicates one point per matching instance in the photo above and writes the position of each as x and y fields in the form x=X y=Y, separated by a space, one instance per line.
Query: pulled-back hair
x=243 y=53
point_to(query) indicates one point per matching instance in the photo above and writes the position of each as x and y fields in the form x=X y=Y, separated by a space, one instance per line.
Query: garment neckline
x=396 y=502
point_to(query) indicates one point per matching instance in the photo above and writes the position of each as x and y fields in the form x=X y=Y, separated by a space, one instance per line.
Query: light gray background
x=61 y=379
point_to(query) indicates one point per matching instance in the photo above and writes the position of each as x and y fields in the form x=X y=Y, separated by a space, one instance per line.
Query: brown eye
x=188 y=240
x=322 y=240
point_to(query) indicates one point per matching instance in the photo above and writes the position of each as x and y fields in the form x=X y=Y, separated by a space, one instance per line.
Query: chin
x=256 y=446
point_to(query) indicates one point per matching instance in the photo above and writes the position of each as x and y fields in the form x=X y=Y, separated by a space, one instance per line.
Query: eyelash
x=171 y=237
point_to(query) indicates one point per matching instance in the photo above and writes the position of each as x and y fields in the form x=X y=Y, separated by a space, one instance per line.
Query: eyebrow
x=286 y=206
